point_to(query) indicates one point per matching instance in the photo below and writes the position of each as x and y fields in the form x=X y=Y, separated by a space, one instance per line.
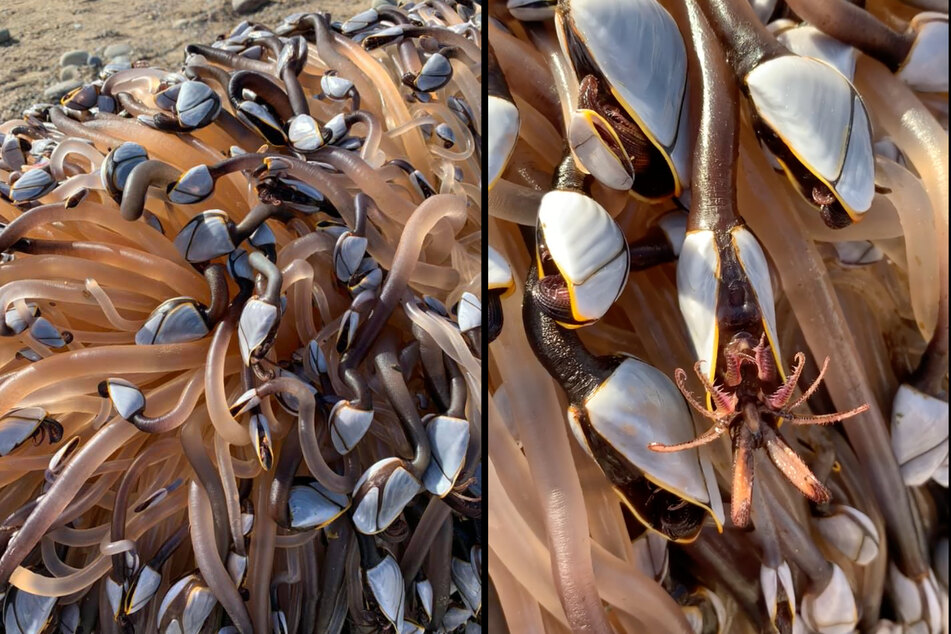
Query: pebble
x=246 y=6
x=74 y=58
x=121 y=59
x=69 y=72
x=117 y=50
x=58 y=90
x=95 y=61
x=4 y=36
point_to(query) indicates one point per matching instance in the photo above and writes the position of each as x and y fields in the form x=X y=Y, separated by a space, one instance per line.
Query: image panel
x=717 y=309
x=240 y=333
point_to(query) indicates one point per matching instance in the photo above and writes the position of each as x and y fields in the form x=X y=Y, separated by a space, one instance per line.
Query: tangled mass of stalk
x=240 y=384
x=718 y=292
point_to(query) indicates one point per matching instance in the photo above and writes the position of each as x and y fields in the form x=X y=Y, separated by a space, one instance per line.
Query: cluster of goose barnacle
x=289 y=215
x=716 y=185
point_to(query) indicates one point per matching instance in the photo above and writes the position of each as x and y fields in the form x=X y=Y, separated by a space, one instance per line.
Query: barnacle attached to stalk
x=613 y=401
x=823 y=141
x=581 y=256
x=629 y=129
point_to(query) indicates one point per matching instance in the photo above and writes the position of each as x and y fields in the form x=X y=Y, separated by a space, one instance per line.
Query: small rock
x=74 y=58
x=121 y=59
x=181 y=23
x=69 y=72
x=4 y=36
x=117 y=50
x=58 y=90
x=95 y=62
x=247 y=6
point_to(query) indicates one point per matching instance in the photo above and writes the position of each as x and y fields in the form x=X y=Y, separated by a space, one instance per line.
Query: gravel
x=74 y=58
x=247 y=6
x=59 y=89
x=117 y=50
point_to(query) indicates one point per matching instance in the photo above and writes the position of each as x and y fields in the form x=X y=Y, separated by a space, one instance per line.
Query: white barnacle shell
x=258 y=321
x=500 y=275
x=69 y=617
x=917 y=602
x=360 y=21
x=337 y=127
x=33 y=184
x=186 y=606
x=501 y=136
x=381 y=493
x=126 y=397
x=348 y=424
x=623 y=412
x=851 y=531
x=386 y=583
x=445 y=134
x=263 y=237
x=197 y=104
x=238 y=266
x=788 y=94
x=118 y=164
x=857 y=252
x=698 y=283
x=167 y=98
x=143 y=587
x=260 y=432
x=586 y=136
x=653 y=94
x=348 y=255
x=261 y=118
x=114 y=595
x=652 y=555
x=278 y=622
x=833 y=610
x=177 y=320
x=411 y=627
x=435 y=73
x=469 y=312
x=315 y=359
x=313 y=506
x=448 y=441
x=237 y=566
x=303 y=133
x=925 y=68
x=424 y=590
x=47 y=334
x=919 y=429
x=205 y=237
x=588 y=249
x=11 y=152
x=16 y=322
x=776 y=583
x=335 y=86
x=456 y=617
x=467 y=581
x=193 y=186
x=26 y=613
x=348 y=328
x=368 y=277
x=17 y=425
